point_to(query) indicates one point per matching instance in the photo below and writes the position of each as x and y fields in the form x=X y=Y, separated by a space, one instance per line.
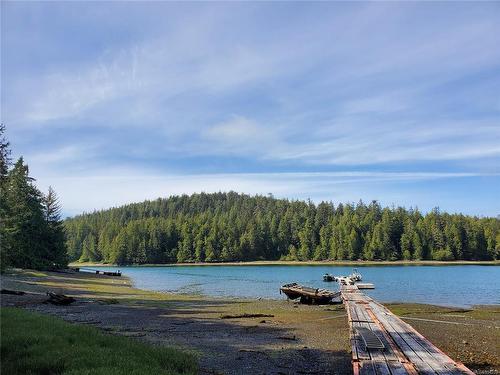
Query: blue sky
x=115 y=102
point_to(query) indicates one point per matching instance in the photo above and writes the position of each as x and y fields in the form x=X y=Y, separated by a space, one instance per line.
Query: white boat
x=355 y=275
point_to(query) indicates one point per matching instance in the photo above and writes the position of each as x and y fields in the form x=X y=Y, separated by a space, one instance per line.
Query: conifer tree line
x=236 y=227
x=31 y=230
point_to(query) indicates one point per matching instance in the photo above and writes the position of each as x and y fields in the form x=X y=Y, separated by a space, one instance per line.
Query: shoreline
x=291 y=333
x=303 y=263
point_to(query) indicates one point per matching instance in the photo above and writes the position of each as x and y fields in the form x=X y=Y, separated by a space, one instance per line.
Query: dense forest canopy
x=233 y=227
x=31 y=231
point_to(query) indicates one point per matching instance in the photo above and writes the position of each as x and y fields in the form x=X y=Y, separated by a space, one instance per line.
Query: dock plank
x=397 y=368
x=367 y=368
x=361 y=349
x=405 y=350
x=424 y=363
x=440 y=362
x=389 y=351
x=354 y=313
x=442 y=365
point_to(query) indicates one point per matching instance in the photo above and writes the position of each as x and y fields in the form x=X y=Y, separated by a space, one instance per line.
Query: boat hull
x=308 y=295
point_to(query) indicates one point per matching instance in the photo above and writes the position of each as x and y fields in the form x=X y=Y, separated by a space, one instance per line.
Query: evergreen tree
x=25 y=225
x=5 y=163
x=306 y=241
x=88 y=249
x=406 y=245
x=56 y=236
x=355 y=245
x=416 y=244
x=321 y=251
x=31 y=230
x=5 y=160
x=119 y=249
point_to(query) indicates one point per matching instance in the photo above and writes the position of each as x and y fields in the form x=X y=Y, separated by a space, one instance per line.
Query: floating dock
x=382 y=344
x=98 y=272
x=365 y=286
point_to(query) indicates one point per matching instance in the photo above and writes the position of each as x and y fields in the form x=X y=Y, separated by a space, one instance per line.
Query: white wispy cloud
x=353 y=142
x=70 y=153
x=212 y=82
x=239 y=135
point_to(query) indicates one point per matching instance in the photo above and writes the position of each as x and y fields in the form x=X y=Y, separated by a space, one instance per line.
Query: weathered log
x=291 y=338
x=245 y=315
x=59 y=299
x=14 y=292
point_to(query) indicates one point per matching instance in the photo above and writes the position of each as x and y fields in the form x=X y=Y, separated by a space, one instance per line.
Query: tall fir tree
x=25 y=223
x=56 y=237
x=5 y=163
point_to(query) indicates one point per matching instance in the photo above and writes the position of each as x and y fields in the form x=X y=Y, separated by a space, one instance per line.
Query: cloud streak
x=275 y=93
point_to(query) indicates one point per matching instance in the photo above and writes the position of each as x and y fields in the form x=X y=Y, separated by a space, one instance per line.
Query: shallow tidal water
x=447 y=285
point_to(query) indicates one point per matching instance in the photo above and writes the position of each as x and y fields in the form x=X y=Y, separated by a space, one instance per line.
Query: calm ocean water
x=460 y=285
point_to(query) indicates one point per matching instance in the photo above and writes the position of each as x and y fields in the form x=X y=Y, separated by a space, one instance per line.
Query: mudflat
x=229 y=339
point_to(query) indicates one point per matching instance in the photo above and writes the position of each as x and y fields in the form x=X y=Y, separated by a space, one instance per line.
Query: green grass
x=32 y=343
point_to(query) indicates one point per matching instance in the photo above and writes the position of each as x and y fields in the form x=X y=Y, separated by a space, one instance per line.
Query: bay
x=447 y=285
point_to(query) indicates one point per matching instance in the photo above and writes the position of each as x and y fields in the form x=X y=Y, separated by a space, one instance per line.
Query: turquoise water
x=460 y=285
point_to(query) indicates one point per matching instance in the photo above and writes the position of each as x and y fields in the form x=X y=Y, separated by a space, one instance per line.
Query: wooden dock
x=383 y=344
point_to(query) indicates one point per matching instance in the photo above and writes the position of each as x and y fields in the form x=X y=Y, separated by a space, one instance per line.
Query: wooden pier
x=383 y=344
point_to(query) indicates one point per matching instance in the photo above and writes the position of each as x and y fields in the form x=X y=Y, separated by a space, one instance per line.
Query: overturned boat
x=308 y=295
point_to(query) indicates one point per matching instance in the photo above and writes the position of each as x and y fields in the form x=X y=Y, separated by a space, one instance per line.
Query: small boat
x=308 y=295
x=355 y=275
x=328 y=277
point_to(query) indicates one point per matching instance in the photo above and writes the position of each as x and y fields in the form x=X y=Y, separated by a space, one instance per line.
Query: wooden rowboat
x=308 y=295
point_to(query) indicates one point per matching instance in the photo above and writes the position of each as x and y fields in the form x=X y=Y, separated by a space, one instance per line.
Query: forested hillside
x=231 y=226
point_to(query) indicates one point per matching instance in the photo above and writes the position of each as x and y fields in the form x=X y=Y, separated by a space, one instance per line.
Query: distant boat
x=355 y=275
x=308 y=295
x=353 y=278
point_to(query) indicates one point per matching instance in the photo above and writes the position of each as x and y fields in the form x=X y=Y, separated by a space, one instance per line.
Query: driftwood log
x=15 y=292
x=245 y=315
x=59 y=299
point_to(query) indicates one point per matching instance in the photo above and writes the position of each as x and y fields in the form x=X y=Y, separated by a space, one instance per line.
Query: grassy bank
x=353 y=263
x=37 y=344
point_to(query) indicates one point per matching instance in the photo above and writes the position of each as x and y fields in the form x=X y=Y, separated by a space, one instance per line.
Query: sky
x=118 y=102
